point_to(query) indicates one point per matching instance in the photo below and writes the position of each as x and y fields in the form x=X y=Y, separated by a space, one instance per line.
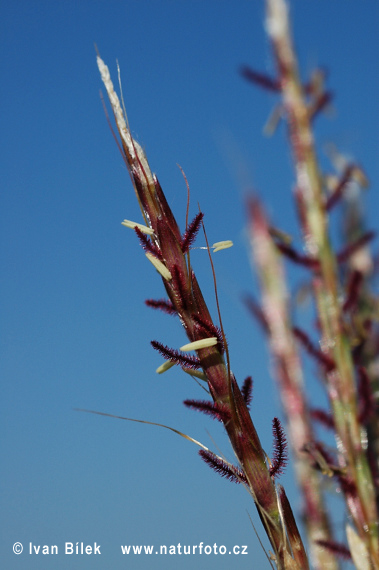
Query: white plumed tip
x=277 y=19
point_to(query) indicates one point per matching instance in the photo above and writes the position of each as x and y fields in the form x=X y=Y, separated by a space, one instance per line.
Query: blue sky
x=75 y=331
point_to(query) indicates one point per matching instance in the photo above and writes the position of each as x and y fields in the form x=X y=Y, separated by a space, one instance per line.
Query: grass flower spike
x=186 y=299
x=344 y=347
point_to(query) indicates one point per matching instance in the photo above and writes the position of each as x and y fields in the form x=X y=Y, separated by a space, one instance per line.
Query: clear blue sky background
x=74 y=328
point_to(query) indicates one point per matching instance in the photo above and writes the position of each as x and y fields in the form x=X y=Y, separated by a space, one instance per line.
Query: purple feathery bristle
x=190 y=234
x=341 y=186
x=226 y=470
x=209 y=328
x=260 y=79
x=147 y=244
x=353 y=289
x=336 y=548
x=163 y=304
x=176 y=356
x=216 y=411
x=280 y=455
x=296 y=257
x=324 y=359
x=323 y=417
x=350 y=249
x=247 y=390
x=348 y=486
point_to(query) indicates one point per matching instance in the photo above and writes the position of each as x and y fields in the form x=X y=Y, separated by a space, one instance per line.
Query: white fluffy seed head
x=115 y=103
x=133 y=148
x=277 y=19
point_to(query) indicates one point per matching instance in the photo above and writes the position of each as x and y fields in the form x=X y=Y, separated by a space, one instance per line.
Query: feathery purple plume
x=353 y=289
x=208 y=327
x=350 y=249
x=147 y=244
x=323 y=417
x=247 y=390
x=280 y=455
x=296 y=257
x=216 y=411
x=260 y=79
x=163 y=304
x=190 y=234
x=176 y=356
x=225 y=469
x=325 y=360
x=336 y=548
x=341 y=186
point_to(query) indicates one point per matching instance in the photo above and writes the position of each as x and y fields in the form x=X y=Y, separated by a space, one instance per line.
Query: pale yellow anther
x=219 y=245
x=198 y=344
x=195 y=373
x=141 y=227
x=165 y=366
x=159 y=266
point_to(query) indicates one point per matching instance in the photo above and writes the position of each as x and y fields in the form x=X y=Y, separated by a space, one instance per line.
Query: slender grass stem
x=341 y=382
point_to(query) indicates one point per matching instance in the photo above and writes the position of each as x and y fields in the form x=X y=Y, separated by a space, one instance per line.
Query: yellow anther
x=219 y=245
x=165 y=366
x=141 y=227
x=159 y=266
x=198 y=344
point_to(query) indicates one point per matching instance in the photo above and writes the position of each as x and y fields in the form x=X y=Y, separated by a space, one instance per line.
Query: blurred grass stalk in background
x=346 y=330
